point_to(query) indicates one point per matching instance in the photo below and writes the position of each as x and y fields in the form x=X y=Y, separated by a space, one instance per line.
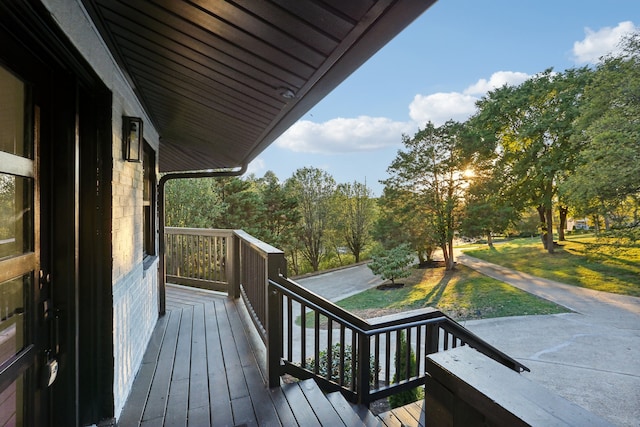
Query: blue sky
x=435 y=70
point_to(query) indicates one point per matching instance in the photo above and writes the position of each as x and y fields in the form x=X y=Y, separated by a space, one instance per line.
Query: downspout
x=162 y=279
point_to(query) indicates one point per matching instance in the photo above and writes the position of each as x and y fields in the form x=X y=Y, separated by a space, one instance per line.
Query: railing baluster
x=289 y=329
x=342 y=344
x=354 y=358
x=407 y=357
x=303 y=335
x=376 y=360
x=316 y=342
x=329 y=349
x=387 y=359
x=418 y=350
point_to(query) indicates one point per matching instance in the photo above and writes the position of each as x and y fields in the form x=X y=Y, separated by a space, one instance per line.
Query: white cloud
x=600 y=43
x=440 y=107
x=365 y=133
x=497 y=80
x=256 y=167
x=344 y=135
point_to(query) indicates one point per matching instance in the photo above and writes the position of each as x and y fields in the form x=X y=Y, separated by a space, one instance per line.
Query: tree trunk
x=564 y=210
x=549 y=215
x=451 y=265
x=543 y=226
x=489 y=240
x=445 y=254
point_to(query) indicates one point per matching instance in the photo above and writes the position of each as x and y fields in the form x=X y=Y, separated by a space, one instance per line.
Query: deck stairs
x=310 y=406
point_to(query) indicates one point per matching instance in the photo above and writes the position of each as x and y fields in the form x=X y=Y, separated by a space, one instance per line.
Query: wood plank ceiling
x=221 y=80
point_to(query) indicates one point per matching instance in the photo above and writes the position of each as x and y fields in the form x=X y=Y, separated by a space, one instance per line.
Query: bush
x=392 y=264
x=323 y=365
x=411 y=395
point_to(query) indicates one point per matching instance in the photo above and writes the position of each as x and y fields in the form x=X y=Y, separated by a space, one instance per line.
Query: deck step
x=331 y=409
x=411 y=415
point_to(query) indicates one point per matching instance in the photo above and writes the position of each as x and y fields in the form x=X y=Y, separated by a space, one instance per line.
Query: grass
x=462 y=294
x=583 y=260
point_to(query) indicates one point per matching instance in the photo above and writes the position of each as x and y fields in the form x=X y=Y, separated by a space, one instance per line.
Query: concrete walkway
x=590 y=356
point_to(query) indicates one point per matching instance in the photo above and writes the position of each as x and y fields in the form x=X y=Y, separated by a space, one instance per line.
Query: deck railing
x=308 y=336
x=198 y=257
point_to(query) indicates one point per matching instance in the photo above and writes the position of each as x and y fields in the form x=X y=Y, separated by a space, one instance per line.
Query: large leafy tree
x=403 y=218
x=314 y=189
x=280 y=211
x=192 y=202
x=531 y=126
x=487 y=210
x=430 y=169
x=356 y=210
x=243 y=208
x=608 y=134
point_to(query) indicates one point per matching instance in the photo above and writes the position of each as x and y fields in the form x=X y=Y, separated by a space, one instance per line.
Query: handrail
x=370 y=344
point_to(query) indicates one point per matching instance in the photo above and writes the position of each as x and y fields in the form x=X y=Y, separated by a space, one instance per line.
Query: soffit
x=212 y=74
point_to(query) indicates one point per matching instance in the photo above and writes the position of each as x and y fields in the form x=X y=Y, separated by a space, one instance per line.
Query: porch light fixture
x=132 y=138
x=286 y=93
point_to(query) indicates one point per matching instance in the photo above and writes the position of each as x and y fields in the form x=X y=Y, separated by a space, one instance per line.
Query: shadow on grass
x=434 y=296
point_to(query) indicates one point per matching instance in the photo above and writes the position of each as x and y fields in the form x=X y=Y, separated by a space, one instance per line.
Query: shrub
x=323 y=365
x=392 y=264
x=411 y=395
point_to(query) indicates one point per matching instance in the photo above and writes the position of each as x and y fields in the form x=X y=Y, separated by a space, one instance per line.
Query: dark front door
x=56 y=307
x=24 y=333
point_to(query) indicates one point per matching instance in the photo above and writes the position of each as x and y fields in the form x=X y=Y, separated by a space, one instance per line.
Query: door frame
x=76 y=203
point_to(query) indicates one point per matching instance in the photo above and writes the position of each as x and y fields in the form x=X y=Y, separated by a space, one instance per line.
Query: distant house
x=97 y=97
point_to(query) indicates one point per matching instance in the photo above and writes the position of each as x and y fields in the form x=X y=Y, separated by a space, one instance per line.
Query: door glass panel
x=12 y=404
x=12 y=114
x=12 y=316
x=16 y=215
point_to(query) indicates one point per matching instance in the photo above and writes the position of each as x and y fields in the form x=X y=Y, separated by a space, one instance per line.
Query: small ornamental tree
x=392 y=264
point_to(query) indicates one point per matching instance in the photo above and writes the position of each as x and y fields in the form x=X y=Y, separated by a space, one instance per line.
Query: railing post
x=433 y=338
x=364 y=369
x=232 y=266
x=276 y=264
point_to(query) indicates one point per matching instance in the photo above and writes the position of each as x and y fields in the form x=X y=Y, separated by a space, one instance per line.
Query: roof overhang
x=222 y=80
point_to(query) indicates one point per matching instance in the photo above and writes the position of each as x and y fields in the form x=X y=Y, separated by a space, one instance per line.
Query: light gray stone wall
x=135 y=295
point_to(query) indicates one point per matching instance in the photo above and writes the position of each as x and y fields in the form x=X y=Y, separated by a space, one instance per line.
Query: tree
x=402 y=368
x=430 y=169
x=314 y=189
x=487 y=210
x=355 y=215
x=608 y=136
x=531 y=126
x=392 y=264
x=192 y=202
x=403 y=218
x=243 y=208
x=280 y=211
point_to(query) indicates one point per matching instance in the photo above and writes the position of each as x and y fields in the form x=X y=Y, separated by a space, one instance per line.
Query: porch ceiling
x=221 y=80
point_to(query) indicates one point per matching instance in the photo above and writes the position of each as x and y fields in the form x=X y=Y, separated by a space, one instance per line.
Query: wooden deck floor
x=204 y=366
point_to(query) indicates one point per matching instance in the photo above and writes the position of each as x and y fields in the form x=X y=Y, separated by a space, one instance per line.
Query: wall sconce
x=132 y=138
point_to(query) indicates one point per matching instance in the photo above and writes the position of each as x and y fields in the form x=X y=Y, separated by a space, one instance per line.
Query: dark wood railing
x=308 y=336
x=315 y=338
x=199 y=257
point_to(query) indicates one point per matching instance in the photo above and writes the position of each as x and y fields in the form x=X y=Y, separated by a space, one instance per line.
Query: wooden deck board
x=301 y=410
x=157 y=400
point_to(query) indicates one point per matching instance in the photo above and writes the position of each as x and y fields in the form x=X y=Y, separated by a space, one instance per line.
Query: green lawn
x=581 y=261
x=463 y=294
